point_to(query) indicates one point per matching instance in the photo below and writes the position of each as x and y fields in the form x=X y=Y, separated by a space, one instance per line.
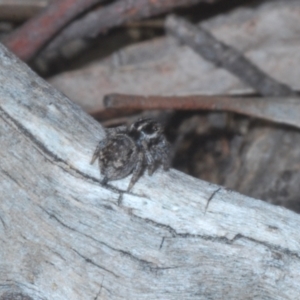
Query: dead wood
x=28 y=39
x=224 y=56
x=20 y=10
x=119 y=12
x=282 y=110
x=65 y=236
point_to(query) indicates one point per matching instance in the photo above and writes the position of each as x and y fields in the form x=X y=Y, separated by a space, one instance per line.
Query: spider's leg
x=95 y=155
x=151 y=162
x=100 y=163
x=100 y=146
x=151 y=169
x=137 y=170
x=166 y=162
x=166 y=156
x=149 y=158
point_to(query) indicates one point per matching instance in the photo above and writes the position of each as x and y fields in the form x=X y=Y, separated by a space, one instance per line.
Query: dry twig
x=27 y=40
x=113 y=15
x=20 y=10
x=280 y=110
x=226 y=57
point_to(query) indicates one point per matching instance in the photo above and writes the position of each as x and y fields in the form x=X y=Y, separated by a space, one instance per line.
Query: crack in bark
x=89 y=261
x=120 y=199
x=221 y=239
x=162 y=242
x=272 y=247
x=3 y=223
x=52 y=216
x=171 y=230
x=146 y=263
x=30 y=136
x=99 y=293
x=210 y=198
x=47 y=153
x=11 y=178
x=50 y=263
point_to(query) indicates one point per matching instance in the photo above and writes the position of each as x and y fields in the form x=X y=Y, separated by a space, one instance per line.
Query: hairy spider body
x=131 y=150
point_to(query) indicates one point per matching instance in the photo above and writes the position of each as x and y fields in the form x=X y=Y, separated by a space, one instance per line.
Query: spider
x=132 y=149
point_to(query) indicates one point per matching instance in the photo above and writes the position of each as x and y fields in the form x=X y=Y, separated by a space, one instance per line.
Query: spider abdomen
x=131 y=150
x=117 y=158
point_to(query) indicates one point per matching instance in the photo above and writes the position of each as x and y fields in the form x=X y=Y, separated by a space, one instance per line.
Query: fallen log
x=64 y=235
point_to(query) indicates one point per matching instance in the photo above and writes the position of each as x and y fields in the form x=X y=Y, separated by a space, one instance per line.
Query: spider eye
x=150 y=128
x=135 y=134
x=145 y=129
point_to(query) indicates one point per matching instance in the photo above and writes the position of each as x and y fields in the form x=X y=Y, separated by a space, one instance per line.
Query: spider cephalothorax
x=131 y=150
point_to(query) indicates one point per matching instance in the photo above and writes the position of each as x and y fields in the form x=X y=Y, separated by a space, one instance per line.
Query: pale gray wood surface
x=64 y=236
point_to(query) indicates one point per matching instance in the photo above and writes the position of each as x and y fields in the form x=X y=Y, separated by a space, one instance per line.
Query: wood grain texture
x=64 y=236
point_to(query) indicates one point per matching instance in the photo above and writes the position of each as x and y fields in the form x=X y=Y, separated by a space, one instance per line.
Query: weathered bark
x=65 y=236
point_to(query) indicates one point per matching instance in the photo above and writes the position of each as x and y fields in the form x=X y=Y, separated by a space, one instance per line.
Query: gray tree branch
x=65 y=236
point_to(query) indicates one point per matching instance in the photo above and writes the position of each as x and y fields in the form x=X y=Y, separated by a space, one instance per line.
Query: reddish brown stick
x=20 y=10
x=28 y=39
x=115 y=14
x=285 y=110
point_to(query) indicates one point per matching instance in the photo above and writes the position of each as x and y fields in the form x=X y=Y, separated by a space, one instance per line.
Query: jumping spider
x=131 y=150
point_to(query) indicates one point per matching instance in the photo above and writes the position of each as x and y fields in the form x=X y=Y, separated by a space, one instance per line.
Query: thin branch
x=284 y=110
x=20 y=10
x=113 y=15
x=225 y=56
x=28 y=39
